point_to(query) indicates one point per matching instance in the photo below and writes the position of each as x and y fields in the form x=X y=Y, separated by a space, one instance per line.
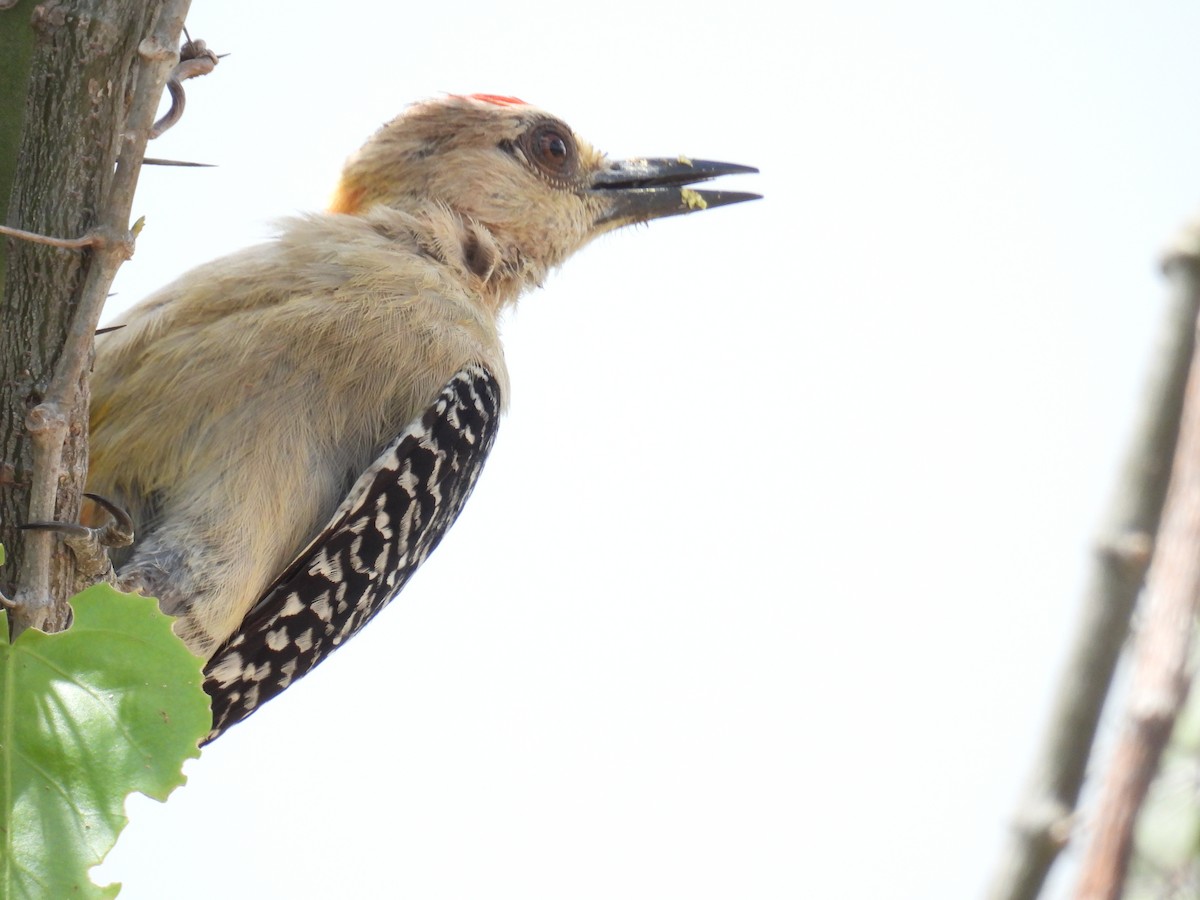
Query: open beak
x=638 y=190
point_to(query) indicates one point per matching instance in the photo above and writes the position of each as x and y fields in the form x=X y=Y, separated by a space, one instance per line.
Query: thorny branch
x=34 y=604
x=1045 y=814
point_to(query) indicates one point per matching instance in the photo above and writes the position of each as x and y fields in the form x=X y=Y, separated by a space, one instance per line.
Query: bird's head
x=527 y=190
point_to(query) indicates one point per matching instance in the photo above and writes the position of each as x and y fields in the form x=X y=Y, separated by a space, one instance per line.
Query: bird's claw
x=194 y=59
x=90 y=546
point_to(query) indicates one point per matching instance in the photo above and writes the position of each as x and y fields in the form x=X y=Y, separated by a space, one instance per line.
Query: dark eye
x=553 y=145
x=552 y=150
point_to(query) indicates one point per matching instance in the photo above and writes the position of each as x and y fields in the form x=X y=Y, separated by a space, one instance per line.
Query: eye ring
x=552 y=149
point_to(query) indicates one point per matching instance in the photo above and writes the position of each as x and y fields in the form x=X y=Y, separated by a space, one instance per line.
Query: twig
x=1044 y=816
x=81 y=243
x=1160 y=674
x=47 y=422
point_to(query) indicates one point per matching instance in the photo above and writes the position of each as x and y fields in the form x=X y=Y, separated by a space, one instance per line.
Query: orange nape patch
x=346 y=199
x=497 y=99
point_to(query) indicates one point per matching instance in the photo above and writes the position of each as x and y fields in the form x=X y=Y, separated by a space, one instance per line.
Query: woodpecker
x=293 y=428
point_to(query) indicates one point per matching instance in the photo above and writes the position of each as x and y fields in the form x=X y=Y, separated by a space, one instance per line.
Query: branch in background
x=1044 y=817
x=1161 y=661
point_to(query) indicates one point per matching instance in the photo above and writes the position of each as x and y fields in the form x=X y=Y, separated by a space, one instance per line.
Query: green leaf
x=110 y=706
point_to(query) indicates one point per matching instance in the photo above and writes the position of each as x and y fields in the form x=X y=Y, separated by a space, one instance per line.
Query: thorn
x=117 y=533
x=153 y=161
x=66 y=528
x=108 y=329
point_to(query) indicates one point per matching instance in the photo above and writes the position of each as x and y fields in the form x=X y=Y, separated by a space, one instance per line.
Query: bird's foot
x=90 y=546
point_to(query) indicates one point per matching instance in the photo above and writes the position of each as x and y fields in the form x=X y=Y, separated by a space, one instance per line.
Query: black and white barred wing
x=392 y=519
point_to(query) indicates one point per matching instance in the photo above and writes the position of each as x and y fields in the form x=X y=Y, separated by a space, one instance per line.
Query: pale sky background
x=765 y=588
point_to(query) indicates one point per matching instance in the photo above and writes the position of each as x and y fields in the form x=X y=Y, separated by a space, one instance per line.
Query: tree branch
x=1044 y=817
x=53 y=445
x=1160 y=675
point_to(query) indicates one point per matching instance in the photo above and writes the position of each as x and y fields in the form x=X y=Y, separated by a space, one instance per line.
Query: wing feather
x=394 y=516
